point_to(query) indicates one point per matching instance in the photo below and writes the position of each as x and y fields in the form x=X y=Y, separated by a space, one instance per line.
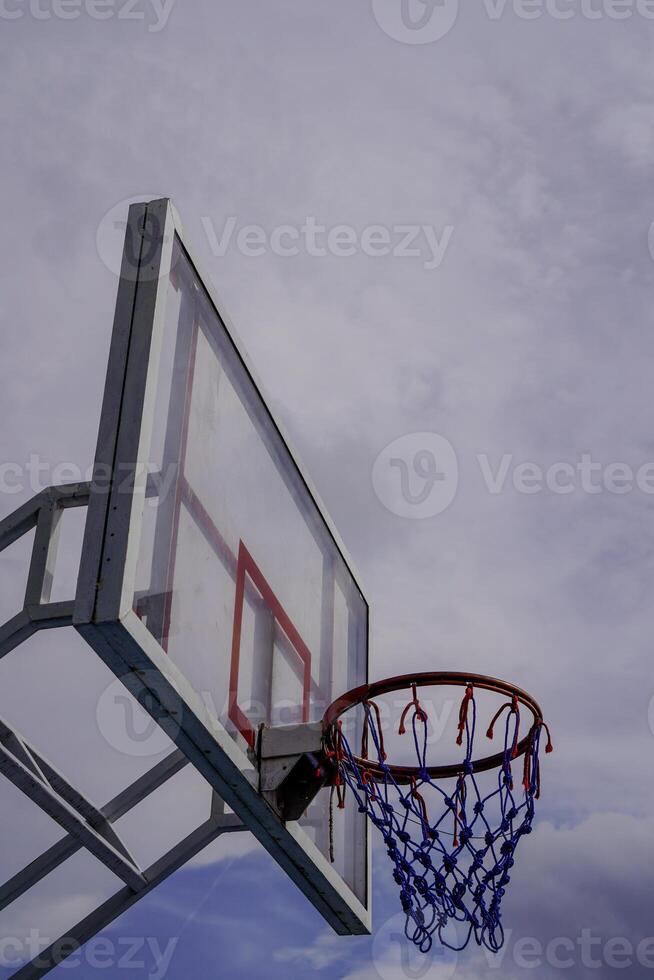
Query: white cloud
x=327 y=950
x=227 y=848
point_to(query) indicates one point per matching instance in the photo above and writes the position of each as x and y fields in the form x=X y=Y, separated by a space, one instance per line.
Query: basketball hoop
x=452 y=852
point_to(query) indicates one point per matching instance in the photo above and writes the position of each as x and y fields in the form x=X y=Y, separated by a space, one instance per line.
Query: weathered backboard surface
x=212 y=583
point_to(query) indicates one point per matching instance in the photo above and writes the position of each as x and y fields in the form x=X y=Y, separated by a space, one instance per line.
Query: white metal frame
x=86 y=825
x=43 y=513
x=102 y=613
x=104 y=609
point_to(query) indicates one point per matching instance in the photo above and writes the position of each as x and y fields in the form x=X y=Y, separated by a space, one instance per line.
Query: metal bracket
x=43 y=513
x=293 y=767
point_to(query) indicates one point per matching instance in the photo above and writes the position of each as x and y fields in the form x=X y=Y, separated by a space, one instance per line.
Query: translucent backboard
x=212 y=582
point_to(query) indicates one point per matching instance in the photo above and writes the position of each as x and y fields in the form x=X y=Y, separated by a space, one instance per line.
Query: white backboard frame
x=104 y=612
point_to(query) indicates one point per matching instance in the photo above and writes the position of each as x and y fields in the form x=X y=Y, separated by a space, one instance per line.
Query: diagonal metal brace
x=45 y=786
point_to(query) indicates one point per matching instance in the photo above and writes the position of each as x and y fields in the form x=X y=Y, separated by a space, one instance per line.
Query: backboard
x=212 y=582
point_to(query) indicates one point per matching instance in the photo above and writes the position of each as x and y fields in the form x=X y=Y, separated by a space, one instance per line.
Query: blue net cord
x=452 y=852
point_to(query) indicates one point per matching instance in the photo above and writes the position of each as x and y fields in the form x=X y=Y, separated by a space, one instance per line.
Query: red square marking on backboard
x=247 y=566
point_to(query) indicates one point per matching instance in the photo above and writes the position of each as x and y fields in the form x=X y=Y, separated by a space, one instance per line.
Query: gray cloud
x=534 y=141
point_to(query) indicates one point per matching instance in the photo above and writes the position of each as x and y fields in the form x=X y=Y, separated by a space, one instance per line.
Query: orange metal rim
x=404 y=774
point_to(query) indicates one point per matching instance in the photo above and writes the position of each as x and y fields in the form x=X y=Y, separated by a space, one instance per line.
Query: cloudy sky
x=489 y=299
